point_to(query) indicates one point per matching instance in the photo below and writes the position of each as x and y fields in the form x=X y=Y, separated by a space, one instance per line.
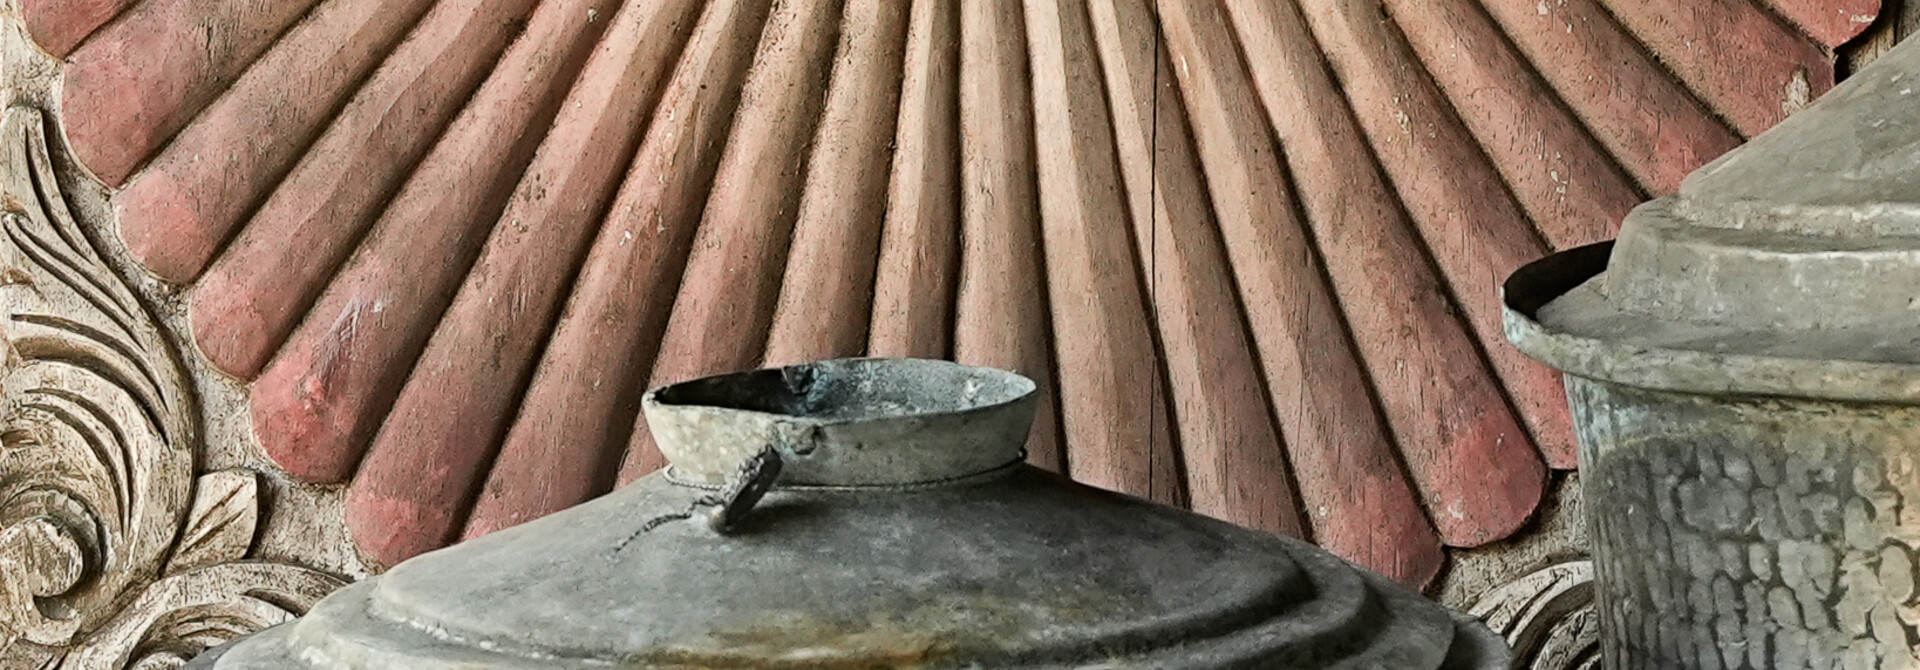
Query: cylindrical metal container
x=867 y=513
x=1744 y=369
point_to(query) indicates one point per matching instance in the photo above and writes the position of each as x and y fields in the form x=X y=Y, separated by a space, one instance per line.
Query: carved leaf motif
x=178 y=617
x=1547 y=617
x=41 y=554
x=27 y=656
x=226 y=507
x=38 y=558
x=97 y=412
x=112 y=554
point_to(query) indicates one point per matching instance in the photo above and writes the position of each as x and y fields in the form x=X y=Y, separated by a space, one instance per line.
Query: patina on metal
x=884 y=517
x=1744 y=367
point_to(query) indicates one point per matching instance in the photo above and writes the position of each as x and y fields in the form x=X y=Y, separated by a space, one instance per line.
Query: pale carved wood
x=116 y=549
x=1547 y=616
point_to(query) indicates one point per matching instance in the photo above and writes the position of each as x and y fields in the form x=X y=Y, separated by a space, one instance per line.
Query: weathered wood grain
x=1314 y=382
x=205 y=182
x=60 y=25
x=1829 y=22
x=1897 y=19
x=1651 y=123
x=320 y=401
x=1000 y=306
x=1230 y=449
x=1354 y=492
x=1476 y=234
x=414 y=489
x=1574 y=193
x=732 y=280
x=826 y=296
x=1113 y=407
x=1761 y=70
x=573 y=427
x=1258 y=267
x=913 y=285
x=252 y=297
x=138 y=80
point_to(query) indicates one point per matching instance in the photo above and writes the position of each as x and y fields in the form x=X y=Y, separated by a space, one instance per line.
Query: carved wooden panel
x=1249 y=248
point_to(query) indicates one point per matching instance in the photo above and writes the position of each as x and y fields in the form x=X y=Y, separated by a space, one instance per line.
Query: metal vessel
x=1744 y=369
x=867 y=513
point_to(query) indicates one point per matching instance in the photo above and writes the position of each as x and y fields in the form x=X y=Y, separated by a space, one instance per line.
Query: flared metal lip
x=1678 y=369
x=781 y=393
x=846 y=422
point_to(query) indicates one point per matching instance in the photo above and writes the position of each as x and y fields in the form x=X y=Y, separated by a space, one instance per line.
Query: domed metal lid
x=900 y=530
x=1790 y=265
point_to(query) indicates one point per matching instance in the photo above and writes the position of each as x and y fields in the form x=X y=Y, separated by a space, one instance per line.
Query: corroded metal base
x=1750 y=533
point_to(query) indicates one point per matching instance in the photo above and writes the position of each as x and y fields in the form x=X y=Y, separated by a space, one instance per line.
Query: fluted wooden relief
x=1249 y=248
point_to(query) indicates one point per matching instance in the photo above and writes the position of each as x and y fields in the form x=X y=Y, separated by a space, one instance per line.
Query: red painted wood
x=423 y=469
x=1760 y=71
x=1480 y=477
x=1358 y=500
x=1229 y=447
x=827 y=293
x=1445 y=141
x=1573 y=193
x=140 y=79
x=59 y=25
x=1113 y=406
x=1477 y=235
x=1572 y=190
x=1314 y=382
x=317 y=406
x=580 y=408
x=198 y=189
x=254 y=295
x=1000 y=306
x=1830 y=22
x=1651 y=123
x=913 y=285
x=732 y=280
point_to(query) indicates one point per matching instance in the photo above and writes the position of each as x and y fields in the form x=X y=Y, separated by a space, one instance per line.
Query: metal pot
x=1744 y=368
x=859 y=514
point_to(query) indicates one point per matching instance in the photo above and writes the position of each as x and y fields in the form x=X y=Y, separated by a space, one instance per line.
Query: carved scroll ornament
x=115 y=552
x=1547 y=616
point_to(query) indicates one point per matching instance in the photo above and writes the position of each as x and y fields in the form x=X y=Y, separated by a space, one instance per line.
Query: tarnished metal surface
x=1753 y=533
x=973 y=565
x=1744 y=372
x=938 y=421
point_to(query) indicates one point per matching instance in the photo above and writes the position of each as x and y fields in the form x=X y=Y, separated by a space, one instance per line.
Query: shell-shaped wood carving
x=1248 y=247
